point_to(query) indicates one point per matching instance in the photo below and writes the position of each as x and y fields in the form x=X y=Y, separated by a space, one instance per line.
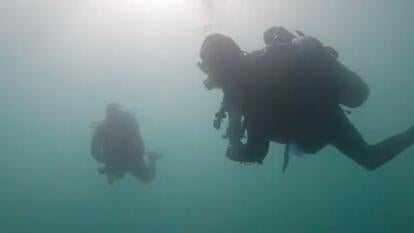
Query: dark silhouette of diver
x=290 y=92
x=117 y=144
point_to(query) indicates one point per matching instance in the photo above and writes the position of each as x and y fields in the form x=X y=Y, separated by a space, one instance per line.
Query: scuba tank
x=322 y=78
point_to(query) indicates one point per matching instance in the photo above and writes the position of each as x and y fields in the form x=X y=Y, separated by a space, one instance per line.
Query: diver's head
x=220 y=58
x=113 y=110
x=279 y=34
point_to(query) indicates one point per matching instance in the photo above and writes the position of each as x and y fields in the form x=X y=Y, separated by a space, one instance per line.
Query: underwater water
x=62 y=62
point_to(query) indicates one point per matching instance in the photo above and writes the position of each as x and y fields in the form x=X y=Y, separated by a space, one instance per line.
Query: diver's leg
x=346 y=138
x=143 y=171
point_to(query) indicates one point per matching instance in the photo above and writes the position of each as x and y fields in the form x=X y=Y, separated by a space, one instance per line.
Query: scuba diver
x=291 y=92
x=118 y=145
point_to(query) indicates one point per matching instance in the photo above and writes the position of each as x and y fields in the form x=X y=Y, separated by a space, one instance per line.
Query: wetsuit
x=117 y=144
x=307 y=115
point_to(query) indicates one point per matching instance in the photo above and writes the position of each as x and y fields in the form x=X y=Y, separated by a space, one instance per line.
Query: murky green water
x=61 y=62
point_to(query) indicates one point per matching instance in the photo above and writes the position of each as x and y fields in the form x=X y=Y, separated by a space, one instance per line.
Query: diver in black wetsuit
x=117 y=143
x=290 y=92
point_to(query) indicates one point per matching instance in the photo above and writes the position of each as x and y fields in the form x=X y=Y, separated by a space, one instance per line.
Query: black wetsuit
x=305 y=112
x=117 y=144
x=338 y=131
